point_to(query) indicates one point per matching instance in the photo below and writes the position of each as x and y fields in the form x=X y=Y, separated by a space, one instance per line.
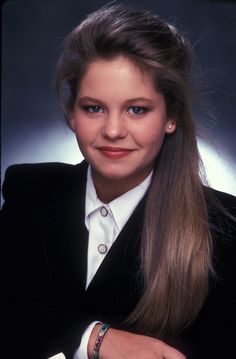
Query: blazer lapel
x=66 y=241
x=65 y=234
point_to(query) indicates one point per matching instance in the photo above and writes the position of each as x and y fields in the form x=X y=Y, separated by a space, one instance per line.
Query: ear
x=170 y=126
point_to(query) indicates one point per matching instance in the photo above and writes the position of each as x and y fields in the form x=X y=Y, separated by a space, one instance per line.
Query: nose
x=114 y=127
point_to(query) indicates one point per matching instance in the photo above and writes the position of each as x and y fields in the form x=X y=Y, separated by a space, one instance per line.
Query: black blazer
x=45 y=306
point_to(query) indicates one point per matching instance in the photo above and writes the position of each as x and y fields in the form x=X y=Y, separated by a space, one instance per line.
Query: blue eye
x=93 y=109
x=136 y=110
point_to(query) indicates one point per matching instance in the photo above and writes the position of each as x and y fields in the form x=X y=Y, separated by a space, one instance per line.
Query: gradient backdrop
x=33 y=129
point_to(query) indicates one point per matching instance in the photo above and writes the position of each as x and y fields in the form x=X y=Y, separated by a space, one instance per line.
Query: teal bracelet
x=104 y=328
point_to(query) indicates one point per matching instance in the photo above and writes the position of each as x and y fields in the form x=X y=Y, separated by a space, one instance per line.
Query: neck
x=110 y=192
x=110 y=189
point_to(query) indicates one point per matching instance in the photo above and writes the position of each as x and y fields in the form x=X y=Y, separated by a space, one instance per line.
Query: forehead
x=117 y=74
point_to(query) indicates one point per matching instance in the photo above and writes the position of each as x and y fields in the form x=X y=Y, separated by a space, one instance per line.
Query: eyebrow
x=87 y=98
x=142 y=99
x=136 y=99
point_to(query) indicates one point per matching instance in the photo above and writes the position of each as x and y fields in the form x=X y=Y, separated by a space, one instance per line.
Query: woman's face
x=120 y=121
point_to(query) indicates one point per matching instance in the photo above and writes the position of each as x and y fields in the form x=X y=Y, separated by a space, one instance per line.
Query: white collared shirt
x=115 y=215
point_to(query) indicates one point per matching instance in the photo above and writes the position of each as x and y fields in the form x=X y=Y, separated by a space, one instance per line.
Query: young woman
x=127 y=254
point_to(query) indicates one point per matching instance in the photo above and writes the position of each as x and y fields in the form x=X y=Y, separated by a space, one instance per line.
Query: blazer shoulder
x=25 y=181
x=222 y=215
x=220 y=200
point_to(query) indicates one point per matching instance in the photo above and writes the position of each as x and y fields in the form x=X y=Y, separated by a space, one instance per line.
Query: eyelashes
x=134 y=111
x=93 y=109
x=137 y=110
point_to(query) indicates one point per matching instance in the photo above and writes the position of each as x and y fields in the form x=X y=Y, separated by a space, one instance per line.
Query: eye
x=93 y=109
x=137 y=110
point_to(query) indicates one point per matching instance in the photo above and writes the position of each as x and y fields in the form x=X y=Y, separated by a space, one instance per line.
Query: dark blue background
x=33 y=129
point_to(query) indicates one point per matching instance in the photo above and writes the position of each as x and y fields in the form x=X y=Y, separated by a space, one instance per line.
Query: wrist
x=100 y=332
x=92 y=339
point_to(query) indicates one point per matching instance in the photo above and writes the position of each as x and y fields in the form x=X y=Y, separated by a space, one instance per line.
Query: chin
x=114 y=176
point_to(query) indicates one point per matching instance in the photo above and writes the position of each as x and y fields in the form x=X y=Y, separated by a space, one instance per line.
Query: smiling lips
x=114 y=153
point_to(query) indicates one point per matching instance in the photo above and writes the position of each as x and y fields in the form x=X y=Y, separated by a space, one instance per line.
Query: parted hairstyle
x=176 y=245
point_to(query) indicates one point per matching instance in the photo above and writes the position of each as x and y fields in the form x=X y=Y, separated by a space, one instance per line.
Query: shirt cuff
x=82 y=351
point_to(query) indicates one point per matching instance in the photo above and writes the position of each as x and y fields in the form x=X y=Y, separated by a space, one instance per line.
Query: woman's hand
x=118 y=344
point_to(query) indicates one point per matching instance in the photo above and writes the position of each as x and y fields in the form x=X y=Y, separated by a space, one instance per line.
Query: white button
x=103 y=211
x=102 y=248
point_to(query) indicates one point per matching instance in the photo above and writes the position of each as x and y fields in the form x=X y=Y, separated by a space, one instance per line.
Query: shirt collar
x=120 y=208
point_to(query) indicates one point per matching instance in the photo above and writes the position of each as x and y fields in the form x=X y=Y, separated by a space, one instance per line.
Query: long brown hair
x=176 y=247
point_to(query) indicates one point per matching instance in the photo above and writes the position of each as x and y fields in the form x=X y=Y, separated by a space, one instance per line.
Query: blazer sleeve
x=34 y=325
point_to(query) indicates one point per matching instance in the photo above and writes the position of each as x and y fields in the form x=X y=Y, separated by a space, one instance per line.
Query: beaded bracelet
x=104 y=328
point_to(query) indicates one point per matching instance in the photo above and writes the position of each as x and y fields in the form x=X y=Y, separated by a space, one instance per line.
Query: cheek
x=83 y=131
x=152 y=137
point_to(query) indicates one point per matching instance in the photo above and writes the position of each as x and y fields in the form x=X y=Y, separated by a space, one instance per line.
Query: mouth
x=114 y=152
